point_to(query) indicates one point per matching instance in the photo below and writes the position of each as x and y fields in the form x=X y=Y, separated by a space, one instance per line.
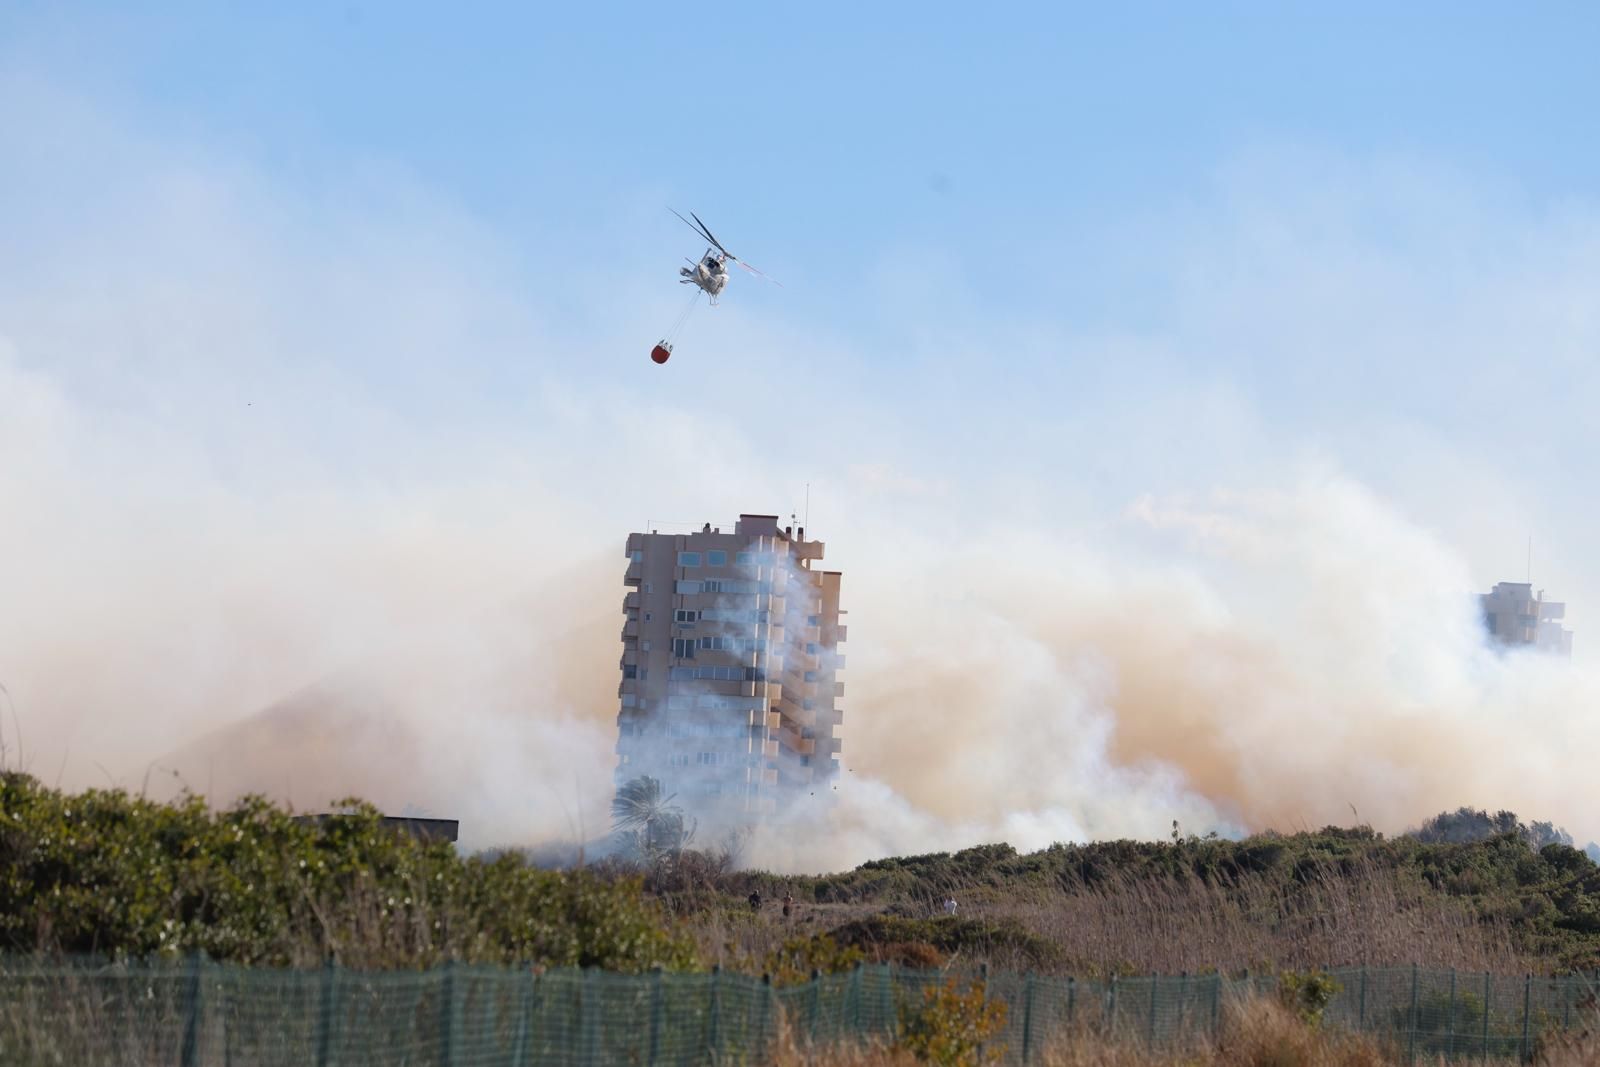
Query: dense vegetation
x=106 y=873
x=103 y=872
x=1334 y=897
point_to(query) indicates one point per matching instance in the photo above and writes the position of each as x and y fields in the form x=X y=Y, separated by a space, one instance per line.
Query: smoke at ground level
x=1284 y=659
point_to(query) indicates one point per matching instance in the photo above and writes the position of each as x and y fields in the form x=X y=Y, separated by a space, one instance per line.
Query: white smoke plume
x=296 y=501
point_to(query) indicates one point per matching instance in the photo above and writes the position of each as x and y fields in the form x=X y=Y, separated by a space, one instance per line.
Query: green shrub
x=1307 y=994
x=952 y=1028
x=105 y=873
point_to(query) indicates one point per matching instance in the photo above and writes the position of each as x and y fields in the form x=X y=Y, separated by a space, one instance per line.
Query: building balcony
x=769 y=748
x=633 y=575
x=630 y=602
x=630 y=629
x=769 y=777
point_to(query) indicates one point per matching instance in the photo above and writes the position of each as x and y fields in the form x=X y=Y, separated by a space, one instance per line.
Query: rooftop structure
x=729 y=668
x=1517 y=617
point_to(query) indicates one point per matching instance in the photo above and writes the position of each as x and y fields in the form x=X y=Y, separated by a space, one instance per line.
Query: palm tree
x=656 y=825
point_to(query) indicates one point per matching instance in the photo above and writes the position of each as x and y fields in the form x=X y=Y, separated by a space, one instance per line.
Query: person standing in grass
x=950 y=905
x=788 y=904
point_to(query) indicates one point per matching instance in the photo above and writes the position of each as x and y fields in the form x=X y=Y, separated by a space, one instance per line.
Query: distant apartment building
x=1517 y=617
x=730 y=668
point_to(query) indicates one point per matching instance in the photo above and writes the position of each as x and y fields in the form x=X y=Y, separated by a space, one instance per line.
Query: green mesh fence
x=198 y=1014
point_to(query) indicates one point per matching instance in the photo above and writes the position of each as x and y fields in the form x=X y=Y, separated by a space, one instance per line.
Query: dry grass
x=1257 y=1033
x=1369 y=915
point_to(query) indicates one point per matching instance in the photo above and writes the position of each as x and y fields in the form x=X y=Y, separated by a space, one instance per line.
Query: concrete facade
x=730 y=661
x=1517 y=617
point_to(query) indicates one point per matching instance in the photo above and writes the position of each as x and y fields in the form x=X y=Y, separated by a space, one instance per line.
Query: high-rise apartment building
x=729 y=668
x=1515 y=616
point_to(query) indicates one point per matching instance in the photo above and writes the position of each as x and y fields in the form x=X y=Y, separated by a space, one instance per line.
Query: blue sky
x=1262 y=312
x=828 y=134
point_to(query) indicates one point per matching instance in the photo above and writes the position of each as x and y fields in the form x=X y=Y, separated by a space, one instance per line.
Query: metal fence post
x=1450 y=1040
x=1072 y=1000
x=1361 y=1018
x=713 y=1043
x=193 y=1009
x=855 y=999
x=1411 y=1046
x=983 y=1000
x=1150 y=1025
x=449 y=1022
x=328 y=1013
x=891 y=1024
x=1027 y=1020
x=816 y=1004
x=1111 y=1007
x=656 y=978
x=589 y=1013
x=519 y=1046
x=769 y=1024
x=1488 y=994
x=1527 y=1011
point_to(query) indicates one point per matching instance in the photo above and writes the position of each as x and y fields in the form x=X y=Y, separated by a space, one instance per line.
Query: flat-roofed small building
x=730 y=661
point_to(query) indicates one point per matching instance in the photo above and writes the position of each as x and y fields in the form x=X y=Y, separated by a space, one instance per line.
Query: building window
x=630 y=670
x=717 y=644
x=688 y=559
x=683 y=647
x=644 y=646
x=638 y=556
x=745 y=559
x=716 y=558
x=688 y=587
x=686 y=616
x=813 y=620
x=811 y=676
x=805 y=761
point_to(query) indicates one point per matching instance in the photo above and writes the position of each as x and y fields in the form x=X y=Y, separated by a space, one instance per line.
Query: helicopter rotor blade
x=714 y=241
x=763 y=275
x=701 y=230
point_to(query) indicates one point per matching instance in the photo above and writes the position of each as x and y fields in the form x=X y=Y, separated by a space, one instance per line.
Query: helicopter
x=711 y=273
x=708 y=274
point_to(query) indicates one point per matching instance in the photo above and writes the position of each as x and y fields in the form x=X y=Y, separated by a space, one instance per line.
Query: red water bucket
x=660 y=352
